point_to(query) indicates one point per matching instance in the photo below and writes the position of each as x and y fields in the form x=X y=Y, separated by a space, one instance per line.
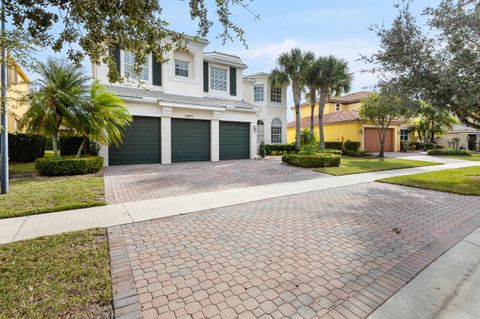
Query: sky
x=326 y=27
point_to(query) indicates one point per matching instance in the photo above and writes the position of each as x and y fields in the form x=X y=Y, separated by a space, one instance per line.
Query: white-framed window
x=338 y=107
x=276 y=131
x=260 y=132
x=181 y=68
x=404 y=135
x=276 y=95
x=128 y=62
x=218 y=79
x=258 y=93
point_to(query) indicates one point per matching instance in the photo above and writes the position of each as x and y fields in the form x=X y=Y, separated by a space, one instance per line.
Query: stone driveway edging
x=362 y=304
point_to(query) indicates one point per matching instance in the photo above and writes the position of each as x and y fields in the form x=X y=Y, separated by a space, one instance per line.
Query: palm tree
x=57 y=103
x=334 y=78
x=292 y=69
x=312 y=86
x=104 y=117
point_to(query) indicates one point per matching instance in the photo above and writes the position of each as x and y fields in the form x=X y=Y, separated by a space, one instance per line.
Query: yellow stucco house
x=17 y=89
x=342 y=122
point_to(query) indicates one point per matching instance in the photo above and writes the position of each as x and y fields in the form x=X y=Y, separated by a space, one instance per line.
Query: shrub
x=59 y=166
x=261 y=150
x=357 y=153
x=329 y=151
x=309 y=149
x=334 y=145
x=315 y=160
x=279 y=149
x=25 y=147
x=449 y=152
x=307 y=137
x=351 y=146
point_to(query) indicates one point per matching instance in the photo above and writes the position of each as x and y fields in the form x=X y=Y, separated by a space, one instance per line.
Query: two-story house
x=190 y=108
x=17 y=91
x=342 y=122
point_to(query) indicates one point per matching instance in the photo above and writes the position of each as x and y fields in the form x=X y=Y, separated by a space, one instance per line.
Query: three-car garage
x=190 y=140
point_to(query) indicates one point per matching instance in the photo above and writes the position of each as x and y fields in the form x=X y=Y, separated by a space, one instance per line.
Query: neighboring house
x=190 y=108
x=459 y=136
x=342 y=122
x=17 y=90
x=272 y=102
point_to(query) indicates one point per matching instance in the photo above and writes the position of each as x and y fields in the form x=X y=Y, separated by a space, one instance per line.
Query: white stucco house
x=197 y=106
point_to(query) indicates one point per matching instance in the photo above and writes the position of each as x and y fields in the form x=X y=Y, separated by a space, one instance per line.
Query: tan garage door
x=372 y=140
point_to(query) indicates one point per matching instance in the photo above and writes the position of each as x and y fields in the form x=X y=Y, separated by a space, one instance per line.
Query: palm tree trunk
x=321 y=109
x=79 y=152
x=55 y=145
x=312 y=115
x=297 y=127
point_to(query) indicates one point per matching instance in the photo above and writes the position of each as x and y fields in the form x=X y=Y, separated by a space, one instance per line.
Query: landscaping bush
x=357 y=153
x=449 y=152
x=59 y=166
x=334 y=145
x=25 y=147
x=315 y=160
x=261 y=150
x=329 y=151
x=307 y=137
x=351 y=146
x=279 y=149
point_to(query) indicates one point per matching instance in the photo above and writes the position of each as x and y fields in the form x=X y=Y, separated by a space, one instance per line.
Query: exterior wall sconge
x=255 y=129
x=361 y=131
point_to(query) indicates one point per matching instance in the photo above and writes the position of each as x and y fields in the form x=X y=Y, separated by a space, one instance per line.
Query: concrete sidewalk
x=447 y=288
x=20 y=228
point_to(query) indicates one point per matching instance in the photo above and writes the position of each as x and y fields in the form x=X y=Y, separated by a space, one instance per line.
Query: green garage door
x=234 y=140
x=190 y=140
x=141 y=143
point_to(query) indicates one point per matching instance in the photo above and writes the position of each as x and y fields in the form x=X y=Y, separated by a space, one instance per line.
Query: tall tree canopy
x=98 y=25
x=437 y=63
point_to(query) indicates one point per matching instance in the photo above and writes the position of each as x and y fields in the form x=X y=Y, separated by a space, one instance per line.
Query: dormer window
x=338 y=107
x=181 y=68
x=128 y=63
x=276 y=95
x=218 y=79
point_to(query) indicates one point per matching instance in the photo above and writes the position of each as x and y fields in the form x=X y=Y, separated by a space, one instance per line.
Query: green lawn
x=356 y=165
x=61 y=276
x=25 y=168
x=475 y=157
x=39 y=195
x=464 y=181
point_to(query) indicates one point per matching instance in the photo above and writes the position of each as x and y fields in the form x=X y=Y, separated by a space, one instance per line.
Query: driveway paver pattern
x=140 y=182
x=337 y=253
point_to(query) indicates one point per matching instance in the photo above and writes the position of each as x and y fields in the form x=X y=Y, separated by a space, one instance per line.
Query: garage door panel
x=372 y=140
x=234 y=140
x=190 y=140
x=141 y=143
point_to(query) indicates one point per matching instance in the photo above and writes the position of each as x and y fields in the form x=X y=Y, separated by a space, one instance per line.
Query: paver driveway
x=139 y=182
x=324 y=254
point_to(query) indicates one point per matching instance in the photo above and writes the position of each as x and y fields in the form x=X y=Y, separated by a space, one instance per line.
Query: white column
x=214 y=140
x=103 y=152
x=253 y=140
x=166 y=134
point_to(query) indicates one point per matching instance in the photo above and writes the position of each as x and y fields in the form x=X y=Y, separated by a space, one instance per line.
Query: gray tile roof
x=224 y=58
x=139 y=93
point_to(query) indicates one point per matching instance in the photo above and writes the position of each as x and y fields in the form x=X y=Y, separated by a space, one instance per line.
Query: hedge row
x=279 y=149
x=59 y=166
x=25 y=147
x=334 y=145
x=309 y=161
x=449 y=152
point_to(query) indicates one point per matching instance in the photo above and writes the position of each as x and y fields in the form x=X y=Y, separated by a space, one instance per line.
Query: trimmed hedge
x=327 y=151
x=357 y=153
x=334 y=145
x=59 y=166
x=310 y=161
x=351 y=146
x=25 y=147
x=279 y=149
x=449 y=152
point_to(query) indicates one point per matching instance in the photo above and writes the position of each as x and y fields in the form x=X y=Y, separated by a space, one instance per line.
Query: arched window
x=276 y=131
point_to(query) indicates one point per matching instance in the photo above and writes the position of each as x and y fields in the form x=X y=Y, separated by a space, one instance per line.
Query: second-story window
x=181 y=68
x=338 y=107
x=218 y=79
x=258 y=93
x=128 y=62
x=276 y=95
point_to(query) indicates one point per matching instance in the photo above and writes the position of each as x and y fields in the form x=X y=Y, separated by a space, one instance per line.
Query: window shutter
x=116 y=57
x=205 y=76
x=233 y=81
x=157 y=71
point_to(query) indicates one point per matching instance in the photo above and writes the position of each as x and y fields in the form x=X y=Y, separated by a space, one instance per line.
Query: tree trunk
x=382 y=132
x=55 y=145
x=321 y=109
x=79 y=152
x=313 y=98
x=297 y=127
